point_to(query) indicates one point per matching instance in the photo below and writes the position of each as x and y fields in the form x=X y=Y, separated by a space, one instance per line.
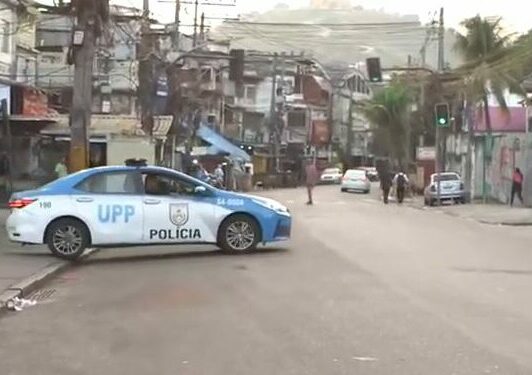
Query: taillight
x=21 y=203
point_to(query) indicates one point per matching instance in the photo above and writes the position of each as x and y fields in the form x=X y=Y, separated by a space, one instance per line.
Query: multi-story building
x=351 y=91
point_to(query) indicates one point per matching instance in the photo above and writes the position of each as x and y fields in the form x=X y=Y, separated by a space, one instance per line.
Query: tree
x=388 y=114
x=488 y=63
x=492 y=67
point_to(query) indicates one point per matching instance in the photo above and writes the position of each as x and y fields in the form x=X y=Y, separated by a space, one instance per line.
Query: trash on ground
x=365 y=359
x=18 y=304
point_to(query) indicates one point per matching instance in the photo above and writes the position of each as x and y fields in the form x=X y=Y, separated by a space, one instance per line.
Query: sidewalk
x=490 y=213
x=17 y=262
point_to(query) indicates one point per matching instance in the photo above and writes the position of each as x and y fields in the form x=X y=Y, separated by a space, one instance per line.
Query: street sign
x=426 y=153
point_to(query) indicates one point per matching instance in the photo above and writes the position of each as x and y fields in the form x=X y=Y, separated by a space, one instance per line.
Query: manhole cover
x=42 y=295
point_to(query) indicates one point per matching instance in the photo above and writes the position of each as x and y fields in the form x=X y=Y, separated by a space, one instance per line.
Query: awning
x=221 y=145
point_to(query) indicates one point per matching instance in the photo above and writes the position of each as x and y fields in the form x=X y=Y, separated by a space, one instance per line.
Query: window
x=250 y=93
x=447 y=177
x=355 y=173
x=112 y=183
x=160 y=184
x=5 y=36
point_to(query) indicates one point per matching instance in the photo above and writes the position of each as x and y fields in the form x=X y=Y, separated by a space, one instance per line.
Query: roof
x=221 y=145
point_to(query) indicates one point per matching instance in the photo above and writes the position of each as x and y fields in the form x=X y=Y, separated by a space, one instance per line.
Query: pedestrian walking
x=219 y=175
x=61 y=169
x=400 y=181
x=517 y=186
x=386 y=184
x=312 y=176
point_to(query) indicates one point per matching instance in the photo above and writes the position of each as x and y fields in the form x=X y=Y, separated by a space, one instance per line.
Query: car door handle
x=85 y=200
x=152 y=201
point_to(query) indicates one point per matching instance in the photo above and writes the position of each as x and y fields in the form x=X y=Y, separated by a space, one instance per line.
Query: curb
x=29 y=284
x=481 y=221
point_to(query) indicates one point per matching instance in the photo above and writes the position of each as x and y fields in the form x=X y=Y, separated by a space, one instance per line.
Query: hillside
x=336 y=37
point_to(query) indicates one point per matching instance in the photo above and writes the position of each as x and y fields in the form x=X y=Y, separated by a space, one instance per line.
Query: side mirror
x=200 y=190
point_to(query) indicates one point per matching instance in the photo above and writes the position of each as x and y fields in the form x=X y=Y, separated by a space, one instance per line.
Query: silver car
x=451 y=189
x=331 y=176
x=356 y=180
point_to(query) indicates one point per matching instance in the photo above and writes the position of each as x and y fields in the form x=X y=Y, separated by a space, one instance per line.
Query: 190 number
x=45 y=205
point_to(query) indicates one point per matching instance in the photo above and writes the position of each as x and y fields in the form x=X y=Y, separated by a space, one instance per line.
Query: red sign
x=320 y=133
x=35 y=103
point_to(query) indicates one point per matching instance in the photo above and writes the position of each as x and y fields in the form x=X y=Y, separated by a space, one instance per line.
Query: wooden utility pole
x=177 y=20
x=146 y=72
x=195 y=37
x=349 y=143
x=274 y=138
x=441 y=66
x=9 y=146
x=89 y=21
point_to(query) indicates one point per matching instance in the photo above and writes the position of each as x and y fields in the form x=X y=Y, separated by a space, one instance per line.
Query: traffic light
x=236 y=65
x=373 y=64
x=442 y=115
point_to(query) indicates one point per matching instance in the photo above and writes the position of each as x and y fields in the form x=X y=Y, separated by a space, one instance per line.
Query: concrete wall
x=120 y=149
x=509 y=151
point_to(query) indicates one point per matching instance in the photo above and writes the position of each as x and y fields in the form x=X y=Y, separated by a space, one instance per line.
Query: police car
x=141 y=205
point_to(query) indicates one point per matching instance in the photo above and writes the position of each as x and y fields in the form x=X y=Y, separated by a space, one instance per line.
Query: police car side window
x=111 y=183
x=160 y=184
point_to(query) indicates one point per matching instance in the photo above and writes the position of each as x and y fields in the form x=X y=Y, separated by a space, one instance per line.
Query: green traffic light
x=442 y=121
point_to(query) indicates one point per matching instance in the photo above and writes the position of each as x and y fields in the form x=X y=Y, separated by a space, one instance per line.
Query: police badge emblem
x=179 y=214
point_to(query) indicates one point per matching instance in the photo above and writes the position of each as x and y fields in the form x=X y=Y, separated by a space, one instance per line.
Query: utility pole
x=273 y=115
x=89 y=15
x=195 y=37
x=9 y=139
x=349 y=144
x=441 y=66
x=146 y=79
x=202 y=27
x=177 y=21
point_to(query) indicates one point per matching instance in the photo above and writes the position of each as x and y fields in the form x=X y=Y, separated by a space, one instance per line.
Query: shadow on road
x=154 y=256
x=494 y=271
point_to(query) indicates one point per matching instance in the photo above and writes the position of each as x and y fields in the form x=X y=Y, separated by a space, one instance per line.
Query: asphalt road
x=362 y=288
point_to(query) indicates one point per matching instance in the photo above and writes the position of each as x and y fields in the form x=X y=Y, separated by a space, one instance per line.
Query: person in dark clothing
x=517 y=186
x=400 y=181
x=386 y=184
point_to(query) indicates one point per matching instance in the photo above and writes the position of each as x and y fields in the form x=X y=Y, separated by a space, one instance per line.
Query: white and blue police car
x=141 y=205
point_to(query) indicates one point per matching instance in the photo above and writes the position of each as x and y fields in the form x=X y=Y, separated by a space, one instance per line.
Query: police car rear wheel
x=67 y=238
x=239 y=234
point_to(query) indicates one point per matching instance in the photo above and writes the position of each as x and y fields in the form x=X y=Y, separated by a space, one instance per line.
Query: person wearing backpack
x=400 y=181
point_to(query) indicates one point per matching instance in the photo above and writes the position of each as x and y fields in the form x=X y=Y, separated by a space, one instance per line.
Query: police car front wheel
x=239 y=234
x=67 y=238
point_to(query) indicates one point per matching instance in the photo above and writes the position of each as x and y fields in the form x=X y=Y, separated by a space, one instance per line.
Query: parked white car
x=356 y=180
x=451 y=189
x=331 y=176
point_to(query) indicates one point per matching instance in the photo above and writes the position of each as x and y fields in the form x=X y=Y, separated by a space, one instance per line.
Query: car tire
x=366 y=192
x=234 y=226
x=67 y=238
x=343 y=190
x=432 y=202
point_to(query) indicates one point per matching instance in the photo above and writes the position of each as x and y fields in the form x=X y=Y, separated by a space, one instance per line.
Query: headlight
x=272 y=205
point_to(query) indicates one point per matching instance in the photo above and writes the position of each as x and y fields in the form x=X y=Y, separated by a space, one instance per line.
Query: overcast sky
x=515 y=13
